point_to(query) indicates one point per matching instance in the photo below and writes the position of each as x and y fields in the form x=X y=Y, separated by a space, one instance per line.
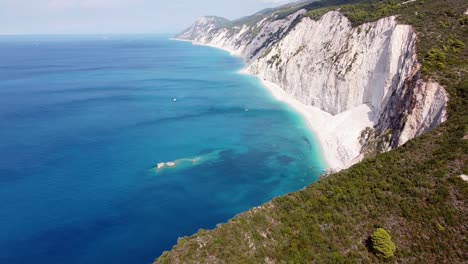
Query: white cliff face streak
x=360 y=88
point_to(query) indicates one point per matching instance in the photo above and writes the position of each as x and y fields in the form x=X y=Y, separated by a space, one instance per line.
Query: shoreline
x=311 y=116
x=336 y=134
x=231 y=52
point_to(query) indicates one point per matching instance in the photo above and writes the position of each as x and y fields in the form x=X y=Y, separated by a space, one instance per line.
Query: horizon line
x=81 y=34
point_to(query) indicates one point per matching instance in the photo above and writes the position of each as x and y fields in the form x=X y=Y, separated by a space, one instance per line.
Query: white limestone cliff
x=359 y=88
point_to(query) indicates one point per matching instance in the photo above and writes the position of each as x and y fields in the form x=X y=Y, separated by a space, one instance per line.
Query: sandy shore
x=337 y=135
x=231 y=51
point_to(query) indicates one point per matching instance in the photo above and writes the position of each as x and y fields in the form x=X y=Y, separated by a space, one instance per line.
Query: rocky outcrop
x=241 y=40
x=202 y=26
x=366 y=79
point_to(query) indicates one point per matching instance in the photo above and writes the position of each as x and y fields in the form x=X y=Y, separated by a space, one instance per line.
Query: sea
x=86 y=119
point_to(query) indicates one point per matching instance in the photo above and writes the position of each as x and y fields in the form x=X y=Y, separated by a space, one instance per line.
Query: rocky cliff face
x=202 y=26
x=367 y=78
x=240 y=39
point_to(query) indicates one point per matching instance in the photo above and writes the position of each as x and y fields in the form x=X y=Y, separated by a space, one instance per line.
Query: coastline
x=231 y=52
x=337 y=144
x=311 y=116
x=332 y=132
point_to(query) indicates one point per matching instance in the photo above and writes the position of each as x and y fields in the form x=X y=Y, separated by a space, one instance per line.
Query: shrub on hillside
x=382 y=244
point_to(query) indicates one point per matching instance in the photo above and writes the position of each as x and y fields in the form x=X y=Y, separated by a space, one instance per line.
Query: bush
x=456 y=44
x=435 y=55
x=382 y=244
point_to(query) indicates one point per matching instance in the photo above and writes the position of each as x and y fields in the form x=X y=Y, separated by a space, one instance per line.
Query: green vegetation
x=360 y=13
x=282 y=14
x=316 y=14
x=440 y=228
x=279 y=13
x=414 y=191
x=435 y=59
x=382 y=244
x=372 y=144
x=363 y=13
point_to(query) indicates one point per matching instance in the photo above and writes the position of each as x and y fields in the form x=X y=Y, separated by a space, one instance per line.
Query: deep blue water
x=83 y=122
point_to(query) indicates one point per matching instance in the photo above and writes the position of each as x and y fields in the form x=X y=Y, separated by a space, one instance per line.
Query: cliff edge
x=363 y=83
x=353 y=62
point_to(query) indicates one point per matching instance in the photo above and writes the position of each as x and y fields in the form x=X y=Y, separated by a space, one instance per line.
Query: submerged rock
x=165 y=164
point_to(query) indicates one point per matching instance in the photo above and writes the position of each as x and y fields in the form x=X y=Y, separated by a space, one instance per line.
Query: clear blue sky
x=116 y=16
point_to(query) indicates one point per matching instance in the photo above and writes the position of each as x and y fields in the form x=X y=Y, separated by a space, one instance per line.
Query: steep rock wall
x=365 y=79
x=244 y=41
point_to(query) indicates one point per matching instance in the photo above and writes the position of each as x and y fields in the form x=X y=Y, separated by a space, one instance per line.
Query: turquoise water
x=84 y=120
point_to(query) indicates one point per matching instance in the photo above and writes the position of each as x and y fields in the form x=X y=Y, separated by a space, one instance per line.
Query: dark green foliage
x=316 y=14
x=414 y=191
x=382 y=244
x=282 y=14
x=361 y=11
x=455 y=43
x=435 y=59
x=435 y=55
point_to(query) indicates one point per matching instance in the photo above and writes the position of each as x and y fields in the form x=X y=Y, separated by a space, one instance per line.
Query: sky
x=116 y=16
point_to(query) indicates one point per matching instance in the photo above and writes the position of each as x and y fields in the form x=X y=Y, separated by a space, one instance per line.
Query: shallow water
x=84 y=121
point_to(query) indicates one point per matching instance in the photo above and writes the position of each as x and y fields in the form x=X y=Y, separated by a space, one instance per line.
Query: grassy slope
x=414 y=192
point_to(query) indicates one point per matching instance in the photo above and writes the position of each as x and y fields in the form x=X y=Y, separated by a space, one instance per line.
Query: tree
x=382 y=244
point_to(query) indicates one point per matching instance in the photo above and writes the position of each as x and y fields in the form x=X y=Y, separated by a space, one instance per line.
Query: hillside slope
x=415 y=191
